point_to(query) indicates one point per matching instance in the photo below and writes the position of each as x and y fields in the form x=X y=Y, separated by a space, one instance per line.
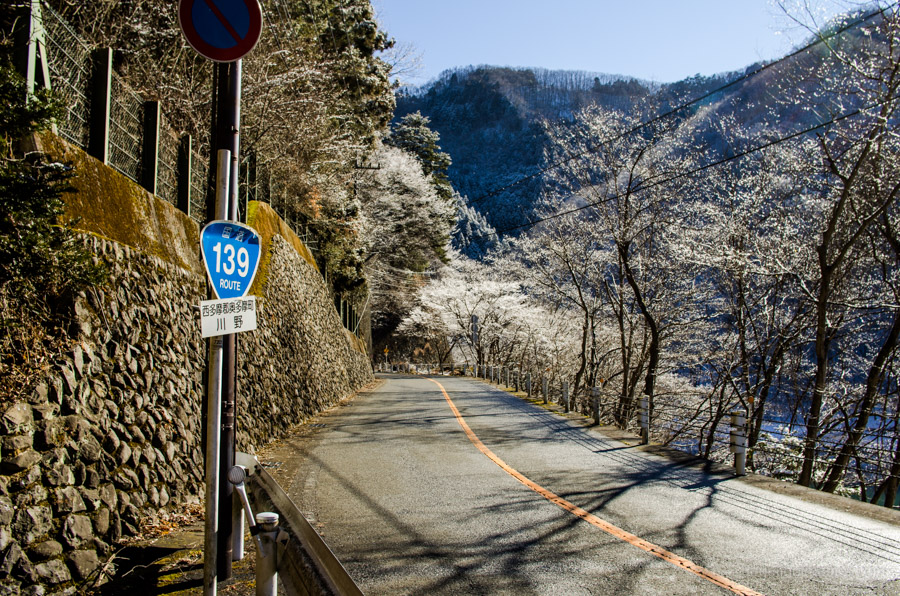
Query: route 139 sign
x=231 y=254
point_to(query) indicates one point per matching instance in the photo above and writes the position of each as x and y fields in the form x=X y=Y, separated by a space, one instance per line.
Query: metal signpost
x=223 y=31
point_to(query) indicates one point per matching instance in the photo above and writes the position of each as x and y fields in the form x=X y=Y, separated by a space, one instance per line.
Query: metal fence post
x=645 y=420
x=738 y=443
x=185 y=174
x=237 y=526
x=565 y=396
x=101 y=104
x=545 y=388
x=595 y=404
x=150 y=151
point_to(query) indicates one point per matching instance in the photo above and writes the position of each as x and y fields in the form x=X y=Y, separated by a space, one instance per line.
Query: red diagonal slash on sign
x=212 y=6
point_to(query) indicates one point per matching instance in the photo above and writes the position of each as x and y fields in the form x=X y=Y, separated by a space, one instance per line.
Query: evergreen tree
x=413 y=135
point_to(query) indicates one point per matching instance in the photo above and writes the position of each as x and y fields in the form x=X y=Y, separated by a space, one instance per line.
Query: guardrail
x=306 y=565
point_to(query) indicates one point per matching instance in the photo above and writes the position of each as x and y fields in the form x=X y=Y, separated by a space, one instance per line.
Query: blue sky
x=660 y=40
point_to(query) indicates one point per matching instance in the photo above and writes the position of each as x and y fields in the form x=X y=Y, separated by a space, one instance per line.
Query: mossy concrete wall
x=111 y=436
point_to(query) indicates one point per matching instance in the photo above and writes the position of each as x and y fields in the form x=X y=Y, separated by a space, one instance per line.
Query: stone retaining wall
x=111 y=437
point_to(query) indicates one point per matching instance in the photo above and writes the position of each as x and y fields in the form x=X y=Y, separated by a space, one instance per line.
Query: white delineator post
x=267 y=562
x=645 y=420
x=738 y=443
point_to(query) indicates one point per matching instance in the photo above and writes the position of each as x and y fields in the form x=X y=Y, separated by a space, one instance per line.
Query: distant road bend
x=450 y=486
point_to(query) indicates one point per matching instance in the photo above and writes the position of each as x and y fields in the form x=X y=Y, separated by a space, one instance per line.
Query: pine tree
x=412 y=134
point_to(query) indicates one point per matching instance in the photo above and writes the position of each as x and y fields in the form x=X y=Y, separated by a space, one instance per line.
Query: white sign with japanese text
x=232 y=315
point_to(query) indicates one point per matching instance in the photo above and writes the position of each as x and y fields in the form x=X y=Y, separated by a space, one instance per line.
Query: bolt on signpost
x=223 y=31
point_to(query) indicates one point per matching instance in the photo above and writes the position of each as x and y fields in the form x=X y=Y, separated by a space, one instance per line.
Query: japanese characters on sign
x=232 y=315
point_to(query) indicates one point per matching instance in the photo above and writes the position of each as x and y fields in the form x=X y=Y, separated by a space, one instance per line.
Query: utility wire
x=697 y=170
x=748 y=75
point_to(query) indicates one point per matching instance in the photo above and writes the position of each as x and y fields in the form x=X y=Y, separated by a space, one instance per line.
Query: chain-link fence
x=198 y=182
x=126 y=129
x=70 y=69
x=79 y=76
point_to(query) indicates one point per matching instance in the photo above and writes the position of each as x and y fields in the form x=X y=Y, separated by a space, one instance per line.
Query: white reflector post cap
x=267 y=517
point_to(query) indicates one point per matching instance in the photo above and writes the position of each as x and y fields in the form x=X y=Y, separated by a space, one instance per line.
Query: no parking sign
x=221 y=30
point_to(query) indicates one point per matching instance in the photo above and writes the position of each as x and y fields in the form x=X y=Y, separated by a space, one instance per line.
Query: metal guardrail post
x=738 y=443
x=237 y=526
x=545 y=388
x=595 y=404
x=267 y=561
x=565 y=396
x=528 y=384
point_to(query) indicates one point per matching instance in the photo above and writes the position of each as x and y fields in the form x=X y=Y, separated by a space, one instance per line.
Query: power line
x=697 y=170
x=682 y=107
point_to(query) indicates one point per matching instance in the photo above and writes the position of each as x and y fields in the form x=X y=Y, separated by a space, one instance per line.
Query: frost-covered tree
x=473 y=236
x=413 y=135
x=404 y=230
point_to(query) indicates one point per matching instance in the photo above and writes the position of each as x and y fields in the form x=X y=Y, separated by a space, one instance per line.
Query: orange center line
x=670 y=557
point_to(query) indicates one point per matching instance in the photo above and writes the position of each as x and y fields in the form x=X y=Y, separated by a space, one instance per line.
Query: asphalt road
x=411 y=505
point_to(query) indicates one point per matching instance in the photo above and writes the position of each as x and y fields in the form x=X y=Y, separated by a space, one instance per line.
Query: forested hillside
x=489 y=120
x=493 y=120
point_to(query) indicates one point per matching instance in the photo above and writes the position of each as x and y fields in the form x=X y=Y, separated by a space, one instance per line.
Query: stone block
x=25 y=481
x=6 y=511
x=14 y=563
x=91 y=498
x=45 y=411
x=47 y=549
x=68 y=376
x=32 y=523
x=111 y=442
x=77 y=530
x=18 y=443
x=68 y=500
x=51 y=433
x=52 y=572
x=83 y=563
x=17 y=419
x=21 y=462
x=89 y=449
x=108 y=496
x=123 y=454
x=91 y=477
x=102 y=521
x=59 y=475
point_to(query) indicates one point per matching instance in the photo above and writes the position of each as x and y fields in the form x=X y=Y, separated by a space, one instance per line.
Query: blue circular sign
x=221 y=30
x=231 y=255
